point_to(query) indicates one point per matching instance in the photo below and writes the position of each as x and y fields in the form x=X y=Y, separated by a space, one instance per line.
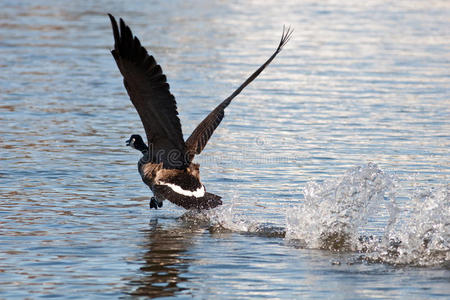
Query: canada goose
x=166 y=165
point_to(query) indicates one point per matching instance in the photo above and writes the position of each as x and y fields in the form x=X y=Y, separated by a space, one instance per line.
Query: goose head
x=137 y=143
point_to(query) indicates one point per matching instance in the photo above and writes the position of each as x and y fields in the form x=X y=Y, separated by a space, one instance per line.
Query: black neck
x=143 y=148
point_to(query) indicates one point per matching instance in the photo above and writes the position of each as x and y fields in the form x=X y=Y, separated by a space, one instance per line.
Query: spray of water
x=424 y=238
x=335 y=215
x=339 y=215
x=334 y=211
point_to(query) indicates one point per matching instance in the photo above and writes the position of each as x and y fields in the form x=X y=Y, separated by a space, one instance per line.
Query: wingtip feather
x=285 y=37
x=115 y=30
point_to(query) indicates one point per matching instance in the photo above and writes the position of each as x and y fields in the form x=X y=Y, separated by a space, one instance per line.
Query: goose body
x=166 y=165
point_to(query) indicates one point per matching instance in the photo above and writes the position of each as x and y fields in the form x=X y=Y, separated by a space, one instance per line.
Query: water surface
x=333 y=165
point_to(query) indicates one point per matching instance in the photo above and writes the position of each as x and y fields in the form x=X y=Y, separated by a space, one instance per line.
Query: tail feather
x=208 y=201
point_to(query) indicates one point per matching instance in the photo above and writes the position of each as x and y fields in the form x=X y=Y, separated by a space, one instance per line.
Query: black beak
x=128 y=142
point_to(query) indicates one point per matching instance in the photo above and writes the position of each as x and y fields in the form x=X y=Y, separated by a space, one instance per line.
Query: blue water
x=333 y=165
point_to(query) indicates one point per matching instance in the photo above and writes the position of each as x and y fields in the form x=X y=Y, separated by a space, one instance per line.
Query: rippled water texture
x=333 y=165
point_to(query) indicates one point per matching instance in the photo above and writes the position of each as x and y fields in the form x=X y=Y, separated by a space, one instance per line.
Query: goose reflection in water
x=165 y=261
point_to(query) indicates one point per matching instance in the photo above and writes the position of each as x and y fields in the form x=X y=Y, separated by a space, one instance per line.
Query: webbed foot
x=154 y=203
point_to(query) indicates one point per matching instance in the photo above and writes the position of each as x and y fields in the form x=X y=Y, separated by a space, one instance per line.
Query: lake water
x=333 y=165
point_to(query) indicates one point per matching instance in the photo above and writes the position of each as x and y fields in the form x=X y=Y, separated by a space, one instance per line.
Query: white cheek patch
x=200 y=192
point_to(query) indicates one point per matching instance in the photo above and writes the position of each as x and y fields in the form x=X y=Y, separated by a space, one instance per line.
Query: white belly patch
x=200 y=192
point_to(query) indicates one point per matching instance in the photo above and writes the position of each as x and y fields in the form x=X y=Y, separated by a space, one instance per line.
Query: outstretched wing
x=200 y=136
x=149 y=92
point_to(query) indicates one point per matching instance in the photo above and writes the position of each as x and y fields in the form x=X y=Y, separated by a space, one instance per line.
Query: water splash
x=424 y=238
x=225 y=219
x=335 y=213
x=356 y=212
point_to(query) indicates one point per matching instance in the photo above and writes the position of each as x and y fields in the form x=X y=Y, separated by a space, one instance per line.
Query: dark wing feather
x=149 y=92
x=200 y=136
